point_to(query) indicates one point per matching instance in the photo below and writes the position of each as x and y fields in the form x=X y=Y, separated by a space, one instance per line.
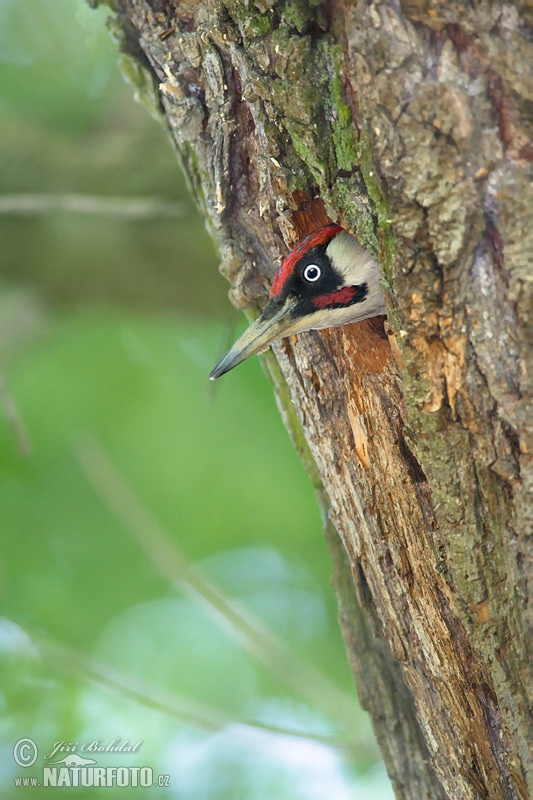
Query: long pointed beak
x=256 y=338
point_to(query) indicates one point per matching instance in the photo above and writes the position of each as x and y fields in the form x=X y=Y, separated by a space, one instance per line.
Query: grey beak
x=255 y=339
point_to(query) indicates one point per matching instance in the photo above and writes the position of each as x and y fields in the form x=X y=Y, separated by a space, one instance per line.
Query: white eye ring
x=312 y=273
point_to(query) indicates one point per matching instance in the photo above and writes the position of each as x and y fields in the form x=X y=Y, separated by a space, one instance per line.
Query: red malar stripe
x=343 y=296
x=321 y=236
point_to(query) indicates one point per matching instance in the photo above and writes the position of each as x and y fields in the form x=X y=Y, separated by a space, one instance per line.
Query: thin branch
x=127 y=208
x=170 y=561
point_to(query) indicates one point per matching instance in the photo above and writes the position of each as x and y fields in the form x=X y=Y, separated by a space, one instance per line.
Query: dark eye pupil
x=312 y=272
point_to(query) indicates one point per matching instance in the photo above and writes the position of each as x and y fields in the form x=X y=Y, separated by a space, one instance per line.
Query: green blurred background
x=163 y=569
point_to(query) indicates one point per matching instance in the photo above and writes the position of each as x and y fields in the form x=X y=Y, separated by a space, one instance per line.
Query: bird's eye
x=312 y=273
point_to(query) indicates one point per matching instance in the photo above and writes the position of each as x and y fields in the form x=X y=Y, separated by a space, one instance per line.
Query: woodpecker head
x=327 y=280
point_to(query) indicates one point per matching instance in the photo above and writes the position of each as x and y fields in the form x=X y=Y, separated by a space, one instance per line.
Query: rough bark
x=407 y=122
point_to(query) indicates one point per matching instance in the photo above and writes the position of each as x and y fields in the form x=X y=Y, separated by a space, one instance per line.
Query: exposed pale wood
x=410 y=122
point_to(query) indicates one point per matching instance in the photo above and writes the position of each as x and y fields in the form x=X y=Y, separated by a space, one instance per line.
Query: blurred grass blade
x=169 y=560
x=200 y=715
x=11 y=413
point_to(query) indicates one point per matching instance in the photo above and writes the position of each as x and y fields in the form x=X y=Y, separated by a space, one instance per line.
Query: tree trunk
x=407 y=122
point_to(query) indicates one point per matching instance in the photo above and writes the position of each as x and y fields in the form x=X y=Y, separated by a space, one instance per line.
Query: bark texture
x=409 y=123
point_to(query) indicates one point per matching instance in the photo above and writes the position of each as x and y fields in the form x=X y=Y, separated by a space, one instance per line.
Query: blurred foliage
x=108 y=329
x=69 y=124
